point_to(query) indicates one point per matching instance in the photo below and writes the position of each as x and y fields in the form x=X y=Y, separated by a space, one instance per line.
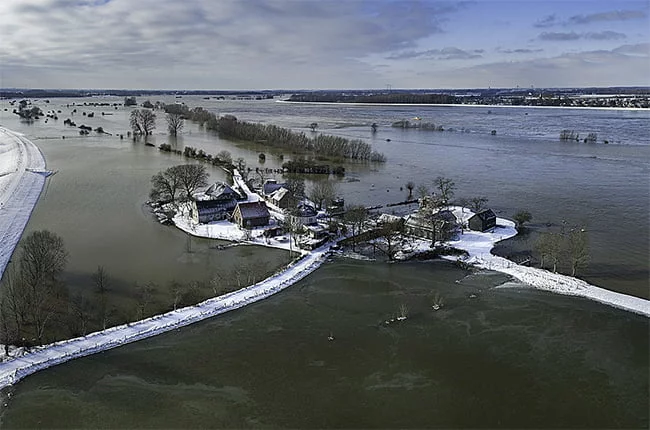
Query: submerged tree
x=577 y=249
x=42 y=260
x=409 y=186
x=142 y=121
x=175 y=123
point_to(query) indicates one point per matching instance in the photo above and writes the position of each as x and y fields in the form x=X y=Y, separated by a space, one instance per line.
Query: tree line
x=272 y=135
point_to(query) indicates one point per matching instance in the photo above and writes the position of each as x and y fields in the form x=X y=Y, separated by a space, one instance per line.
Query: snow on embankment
x=50 y=355
x=479 y=245
x=20 y=186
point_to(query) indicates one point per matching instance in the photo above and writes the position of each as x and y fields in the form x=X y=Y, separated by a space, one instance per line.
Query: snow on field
x=14 y=369
x=479 y=245
x=21 y=182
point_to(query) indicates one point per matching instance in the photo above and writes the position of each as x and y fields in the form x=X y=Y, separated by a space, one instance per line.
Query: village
x=273 y=215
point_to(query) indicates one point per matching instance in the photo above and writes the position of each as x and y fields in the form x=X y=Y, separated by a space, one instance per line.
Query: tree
x=578 y=249
x=549 y=245
x=101 y=281
x=224 y=156
x=389 y=235
x=409 y=186
x=522 y=217
x=142 y=121
x=446 y=188
x=191 y=177
x=422 y=191
x=42 y=260
x=296 y=187
x=323 y=192
x=477 y=203
x=165 y=185
x=356 y=217
x=373 y=127
x=147 y=104
x=175 y=123
x=130 y=101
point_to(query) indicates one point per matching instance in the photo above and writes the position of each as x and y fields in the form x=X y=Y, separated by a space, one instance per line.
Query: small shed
x=482 y=221
x=251 y=214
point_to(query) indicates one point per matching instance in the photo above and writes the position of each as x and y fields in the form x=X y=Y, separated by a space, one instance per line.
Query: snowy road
x=20 y=188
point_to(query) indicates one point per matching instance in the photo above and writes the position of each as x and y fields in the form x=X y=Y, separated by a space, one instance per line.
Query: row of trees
x=272 y=135
x=568 y=247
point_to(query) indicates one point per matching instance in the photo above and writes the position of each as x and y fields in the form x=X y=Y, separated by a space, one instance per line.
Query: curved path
x=22 y=177
x=13 y=370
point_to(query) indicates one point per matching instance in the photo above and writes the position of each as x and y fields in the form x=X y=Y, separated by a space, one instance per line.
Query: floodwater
x=509 y=357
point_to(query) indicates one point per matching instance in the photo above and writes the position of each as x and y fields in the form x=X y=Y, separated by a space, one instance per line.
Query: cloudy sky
x=310 y=44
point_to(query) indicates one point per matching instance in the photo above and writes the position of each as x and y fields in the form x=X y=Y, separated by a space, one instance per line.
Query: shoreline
x=466 y=105
x=22 y=179
x=480 y=244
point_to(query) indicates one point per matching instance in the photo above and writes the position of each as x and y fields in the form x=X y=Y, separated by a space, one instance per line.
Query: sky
x=323 y=44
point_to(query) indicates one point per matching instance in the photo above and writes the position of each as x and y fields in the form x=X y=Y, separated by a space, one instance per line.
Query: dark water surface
x=511 y=357
x=507 y=358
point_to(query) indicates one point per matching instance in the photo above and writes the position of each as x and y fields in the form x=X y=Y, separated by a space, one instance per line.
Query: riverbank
x=22 y=178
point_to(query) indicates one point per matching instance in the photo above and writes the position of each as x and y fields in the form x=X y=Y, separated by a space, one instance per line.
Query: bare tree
x=293 y=224
x=578 y=249
x=446 y=188
x=323 y=192
x=422 y=191
x=42 y=260
x=356 y=216
x=191 y=177
x=142 y=121
x=224 y=156
x=165 y=185
x=101 y=281
x=478 y=203
x=144 y=294
x=549 y=245
x=175 y=123
x=389 y=235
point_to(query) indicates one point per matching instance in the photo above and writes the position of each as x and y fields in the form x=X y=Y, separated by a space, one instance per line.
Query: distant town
x=612 y=97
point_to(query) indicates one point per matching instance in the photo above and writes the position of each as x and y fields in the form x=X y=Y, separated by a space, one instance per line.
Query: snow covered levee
x=22 y=176
x=50 y=355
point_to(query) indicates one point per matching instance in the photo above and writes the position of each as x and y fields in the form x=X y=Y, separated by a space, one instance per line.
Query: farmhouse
x=482 y=221
x=251 y=214
x=214 y=204
x=441 y=225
